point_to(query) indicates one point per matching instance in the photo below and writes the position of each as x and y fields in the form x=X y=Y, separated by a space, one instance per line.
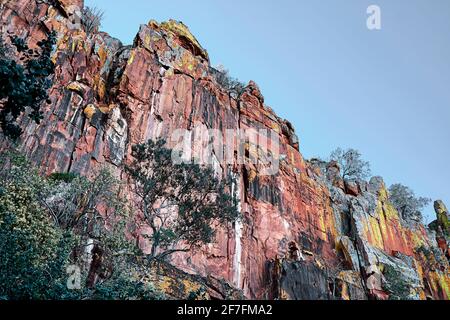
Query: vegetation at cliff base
x=199 y=198
x=233 y=85
x=49 y=227
x=395 y=284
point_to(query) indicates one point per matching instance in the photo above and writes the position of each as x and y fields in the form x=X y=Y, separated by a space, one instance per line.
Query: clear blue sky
x=383 y=92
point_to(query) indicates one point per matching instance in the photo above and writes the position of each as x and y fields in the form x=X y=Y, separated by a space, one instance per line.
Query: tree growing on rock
x=229 y=83
x=395 y=284
x=407 y=203
x=351 y=163
x=24 y=84
x=181 y=203
x=33 y=254
x=73 y=199
x=91 y=19
x=3 y=48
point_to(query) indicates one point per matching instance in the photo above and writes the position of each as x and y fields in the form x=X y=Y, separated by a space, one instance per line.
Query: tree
x=73 y=200
x=33 y=254
x=3 y=48
x=24 y=84
x=395 y=284
x=37 y=244
x=181 y=203
x=406 y=202
x=351 y=163
x=229 y=83
x=91 y=19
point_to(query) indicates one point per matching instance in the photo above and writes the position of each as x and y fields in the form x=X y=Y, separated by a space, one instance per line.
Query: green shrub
x=395 y=284
x=63 y=177
x=33 y=253
x=194 y=192
x=45 y=225
x=229 y=83
x=91 y=19
x=407 y=203
x=124 y=288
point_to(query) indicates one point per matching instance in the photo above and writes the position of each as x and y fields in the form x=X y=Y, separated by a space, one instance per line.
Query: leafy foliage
x=181 y=203
x=121 y=287
x=3 y=48
x=63 y=177
x=407 y=203
x=351 y=163
x=24 y=84
x=33 y=254
x=229 y=83
x=73 y=200
x=197 y=295
x=47 y=224
x=91 y=19
x=395 y=284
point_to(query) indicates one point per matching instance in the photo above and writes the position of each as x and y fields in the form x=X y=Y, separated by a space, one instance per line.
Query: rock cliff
x=306 y=233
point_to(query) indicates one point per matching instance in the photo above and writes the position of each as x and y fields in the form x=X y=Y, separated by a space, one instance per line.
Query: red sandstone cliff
x=306 y=233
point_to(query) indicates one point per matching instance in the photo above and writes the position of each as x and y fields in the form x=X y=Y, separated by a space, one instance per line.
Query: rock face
x=306 y=233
